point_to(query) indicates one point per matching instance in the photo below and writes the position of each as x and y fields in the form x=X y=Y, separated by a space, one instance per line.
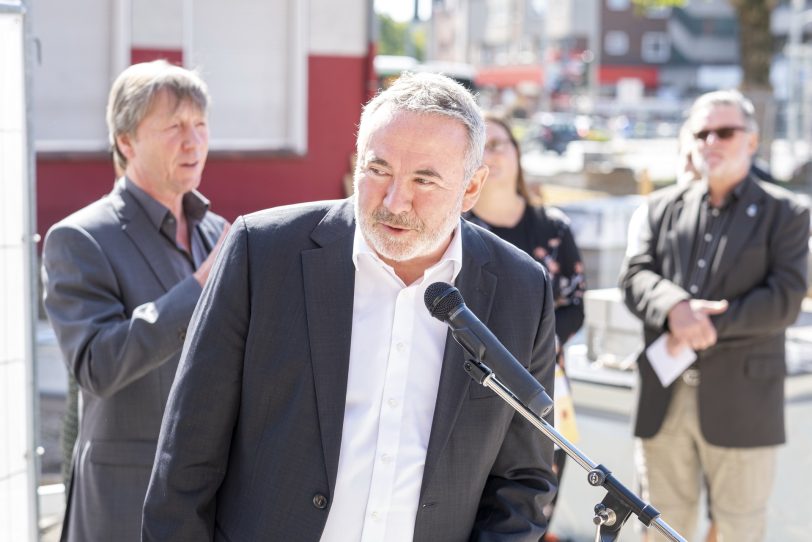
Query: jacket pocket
x=765 y=367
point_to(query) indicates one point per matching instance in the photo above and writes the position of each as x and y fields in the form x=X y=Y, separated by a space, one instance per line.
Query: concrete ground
x=603 y=414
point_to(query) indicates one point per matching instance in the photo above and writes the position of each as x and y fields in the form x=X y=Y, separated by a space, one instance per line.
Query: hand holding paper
x=669 y=357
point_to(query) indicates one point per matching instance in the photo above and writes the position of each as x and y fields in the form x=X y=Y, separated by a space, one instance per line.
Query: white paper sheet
x=668 y=367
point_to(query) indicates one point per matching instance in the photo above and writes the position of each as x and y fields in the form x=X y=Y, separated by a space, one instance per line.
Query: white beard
x=426 y=242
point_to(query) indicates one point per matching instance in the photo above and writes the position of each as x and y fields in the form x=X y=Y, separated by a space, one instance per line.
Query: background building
x=287 y=84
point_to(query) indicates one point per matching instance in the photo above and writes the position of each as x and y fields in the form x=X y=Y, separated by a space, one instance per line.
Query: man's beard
x=425 y=242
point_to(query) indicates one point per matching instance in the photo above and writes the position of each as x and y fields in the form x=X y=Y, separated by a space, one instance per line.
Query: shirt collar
x=452 y=254
x=733 y=195
x=195 y=205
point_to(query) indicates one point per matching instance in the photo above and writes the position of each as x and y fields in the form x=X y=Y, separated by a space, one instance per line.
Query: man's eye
x=422 y=181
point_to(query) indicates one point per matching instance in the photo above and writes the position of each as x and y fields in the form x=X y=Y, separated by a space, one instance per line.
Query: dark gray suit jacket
x=251 y=436
x=760 y=268
x=120 y=313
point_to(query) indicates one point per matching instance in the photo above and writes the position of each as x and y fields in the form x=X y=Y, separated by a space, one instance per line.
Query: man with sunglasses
x=718 y=274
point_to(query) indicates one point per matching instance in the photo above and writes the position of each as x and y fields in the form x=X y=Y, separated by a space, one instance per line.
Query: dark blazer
x=760 y=269
x=120 y=312
x=251 y=436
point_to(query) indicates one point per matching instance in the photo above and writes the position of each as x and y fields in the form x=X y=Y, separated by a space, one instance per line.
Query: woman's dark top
x=544 y=233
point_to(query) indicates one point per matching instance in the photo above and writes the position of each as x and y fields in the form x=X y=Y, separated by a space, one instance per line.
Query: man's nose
x=398 y=197
x=192 y=136
x=712 y=138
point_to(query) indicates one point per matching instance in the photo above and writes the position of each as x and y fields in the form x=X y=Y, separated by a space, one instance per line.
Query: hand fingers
x=709 y=307
x=705 y=336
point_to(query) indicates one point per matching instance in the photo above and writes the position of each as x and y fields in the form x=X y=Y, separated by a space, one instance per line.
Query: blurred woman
x=506 y=208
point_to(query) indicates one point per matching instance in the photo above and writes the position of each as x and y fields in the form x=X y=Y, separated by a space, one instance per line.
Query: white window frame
x=119 y=59
x=294 y=138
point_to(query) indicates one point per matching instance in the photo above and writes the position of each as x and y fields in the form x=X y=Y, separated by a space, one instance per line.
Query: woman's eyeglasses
x=723 y=133
x=497 y=145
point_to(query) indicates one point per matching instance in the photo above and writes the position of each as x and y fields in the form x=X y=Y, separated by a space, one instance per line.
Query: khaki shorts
x=673 y=466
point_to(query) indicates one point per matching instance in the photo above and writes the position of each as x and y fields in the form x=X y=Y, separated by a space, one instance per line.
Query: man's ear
x=752 y=143
x=124 y=144
x=474 y=188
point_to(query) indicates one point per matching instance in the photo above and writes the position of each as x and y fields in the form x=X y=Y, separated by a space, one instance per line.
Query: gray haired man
x=317 y=399
x=122 y=277
x=718 y=274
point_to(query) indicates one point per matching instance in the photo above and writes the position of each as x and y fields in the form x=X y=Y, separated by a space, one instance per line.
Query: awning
x=609 y=75
x=509 y=76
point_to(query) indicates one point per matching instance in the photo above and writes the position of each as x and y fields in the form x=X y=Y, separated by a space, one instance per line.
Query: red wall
x=240 y=183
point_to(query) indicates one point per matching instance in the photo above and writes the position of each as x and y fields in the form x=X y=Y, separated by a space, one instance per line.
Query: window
x=658 y=12
x=253 y=56
x=616 y=43
x=617 y=5
x=73 y=72
x=655 y=47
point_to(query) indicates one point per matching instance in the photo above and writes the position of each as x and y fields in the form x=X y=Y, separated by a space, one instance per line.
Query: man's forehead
x=171 y=103
x=712 y=113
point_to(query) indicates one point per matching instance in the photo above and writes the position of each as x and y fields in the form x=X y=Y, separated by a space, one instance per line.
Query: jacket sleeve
x=521 y=482
x=104 y=347
x=195 y=439
x=647 y=294
x=774 y=304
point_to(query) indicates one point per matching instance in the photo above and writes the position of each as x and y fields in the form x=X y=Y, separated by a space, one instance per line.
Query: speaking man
x=317 y=399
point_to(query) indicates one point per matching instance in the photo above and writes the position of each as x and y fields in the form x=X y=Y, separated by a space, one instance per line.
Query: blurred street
x=603 y=414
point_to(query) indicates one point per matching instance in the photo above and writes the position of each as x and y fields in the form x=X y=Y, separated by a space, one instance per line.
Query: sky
x=402 y=10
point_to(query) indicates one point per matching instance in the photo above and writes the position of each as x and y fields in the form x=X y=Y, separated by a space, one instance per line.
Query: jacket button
x=182 y=335
x=319 y=501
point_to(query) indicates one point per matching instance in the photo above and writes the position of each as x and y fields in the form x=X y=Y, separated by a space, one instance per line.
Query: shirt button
x=694 y=289
x=386 y=458
x=319 y=501
x=375 y=515
x=399 y=347
x=715 y=212
x=708 y=237
x=700 y=263
x=392 y=402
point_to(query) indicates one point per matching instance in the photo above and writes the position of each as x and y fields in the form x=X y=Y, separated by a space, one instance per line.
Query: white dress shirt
x=396 y=357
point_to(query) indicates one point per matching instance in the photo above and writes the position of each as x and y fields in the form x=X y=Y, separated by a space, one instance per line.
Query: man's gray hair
x=428 y=93
x=727 y=97
x=134 y=91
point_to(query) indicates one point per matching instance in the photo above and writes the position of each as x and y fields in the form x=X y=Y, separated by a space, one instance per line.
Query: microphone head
x=442 y=299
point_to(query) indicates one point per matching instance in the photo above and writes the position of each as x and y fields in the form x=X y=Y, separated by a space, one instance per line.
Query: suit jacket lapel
x=137 y=227
x=686 y=232
x=329 y=285
x=209 y=229
x=738 y=232
x=477 y=287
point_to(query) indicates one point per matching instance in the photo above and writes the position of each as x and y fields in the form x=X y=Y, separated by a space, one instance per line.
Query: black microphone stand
x=618 y=504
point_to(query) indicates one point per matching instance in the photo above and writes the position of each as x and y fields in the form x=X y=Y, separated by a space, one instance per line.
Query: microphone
x=445 y=303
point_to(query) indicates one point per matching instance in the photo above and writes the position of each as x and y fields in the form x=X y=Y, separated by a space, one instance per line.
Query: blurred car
x=552 y=131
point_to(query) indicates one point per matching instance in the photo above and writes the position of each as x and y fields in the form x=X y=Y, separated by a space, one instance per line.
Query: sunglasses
x=723 y=133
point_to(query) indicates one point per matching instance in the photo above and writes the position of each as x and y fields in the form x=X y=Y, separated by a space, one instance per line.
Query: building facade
x=287 y=85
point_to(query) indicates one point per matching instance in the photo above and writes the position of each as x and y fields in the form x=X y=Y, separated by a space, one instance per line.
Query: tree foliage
x=755 y=41
x=755 y=37
x=400 y=38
